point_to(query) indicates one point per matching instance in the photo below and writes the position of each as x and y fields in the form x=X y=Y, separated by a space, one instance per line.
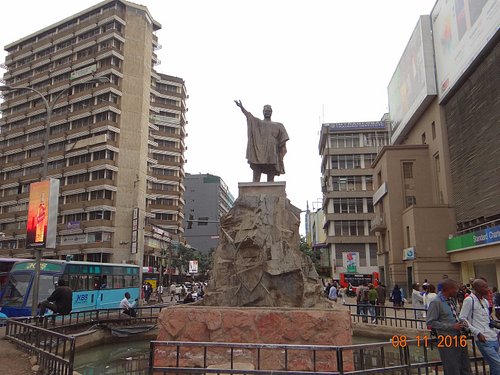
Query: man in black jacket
x=60 y=301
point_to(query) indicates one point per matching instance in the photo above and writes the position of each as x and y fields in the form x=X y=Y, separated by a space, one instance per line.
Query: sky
x=314 y=61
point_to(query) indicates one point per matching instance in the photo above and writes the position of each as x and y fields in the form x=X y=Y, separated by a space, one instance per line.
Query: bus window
x=47 y=286
x=73 y=282
x=104 y=282
x=118 y=281
x=96 y=282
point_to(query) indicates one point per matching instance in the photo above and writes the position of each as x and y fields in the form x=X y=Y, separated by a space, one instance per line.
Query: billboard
x=42 y=214
x=193 y=266
x=461 y=28
x=413 y=84
x=349 y=126
x=351 y=261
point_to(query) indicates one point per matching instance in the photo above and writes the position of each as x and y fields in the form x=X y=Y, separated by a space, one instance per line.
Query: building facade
x=348 y=151
x=436 y=200
x=116 y=147
x=316 y=237
x=207 y=199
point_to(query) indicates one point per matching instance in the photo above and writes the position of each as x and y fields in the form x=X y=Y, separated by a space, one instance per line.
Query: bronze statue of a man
x=266 y=145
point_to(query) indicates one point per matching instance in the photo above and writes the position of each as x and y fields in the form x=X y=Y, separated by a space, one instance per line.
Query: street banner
x=42 y=214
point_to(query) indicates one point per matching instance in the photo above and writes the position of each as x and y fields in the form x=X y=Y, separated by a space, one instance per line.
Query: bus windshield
x=18 y=285
x=15 y=290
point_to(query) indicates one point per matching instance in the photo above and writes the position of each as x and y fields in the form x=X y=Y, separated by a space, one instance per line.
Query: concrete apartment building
x=207 y=199
x=116 y=147
x=348 y=151
x=436 y=201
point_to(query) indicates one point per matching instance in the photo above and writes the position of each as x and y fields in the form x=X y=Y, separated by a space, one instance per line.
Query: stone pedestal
x=258 y=261
x=256 y=325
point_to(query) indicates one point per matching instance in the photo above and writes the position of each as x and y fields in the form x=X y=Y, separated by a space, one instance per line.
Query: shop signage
x=482 y=237
x=409 y=253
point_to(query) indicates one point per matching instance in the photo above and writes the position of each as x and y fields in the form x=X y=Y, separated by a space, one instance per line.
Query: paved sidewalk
x=13 y=361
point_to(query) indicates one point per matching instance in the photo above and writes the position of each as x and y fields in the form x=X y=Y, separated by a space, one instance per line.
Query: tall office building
x=116 y=147
x=348 y=150
x=207 y=199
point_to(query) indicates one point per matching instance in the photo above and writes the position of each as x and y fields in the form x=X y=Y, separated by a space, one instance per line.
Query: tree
x=315 y=256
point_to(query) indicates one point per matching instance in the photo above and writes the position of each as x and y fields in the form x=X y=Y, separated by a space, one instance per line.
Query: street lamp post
x=49 y=108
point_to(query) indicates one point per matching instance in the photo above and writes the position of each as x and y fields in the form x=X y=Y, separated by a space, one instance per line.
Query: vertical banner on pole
x=42 y=214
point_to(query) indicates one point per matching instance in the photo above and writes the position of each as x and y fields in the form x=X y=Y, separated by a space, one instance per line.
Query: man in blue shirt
x=442 y=316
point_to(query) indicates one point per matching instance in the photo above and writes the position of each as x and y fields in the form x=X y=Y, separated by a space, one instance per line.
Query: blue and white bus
x=94 y=285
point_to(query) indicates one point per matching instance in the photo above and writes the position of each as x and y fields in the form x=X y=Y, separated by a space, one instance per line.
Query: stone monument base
x=261 y=325
x=258 y=261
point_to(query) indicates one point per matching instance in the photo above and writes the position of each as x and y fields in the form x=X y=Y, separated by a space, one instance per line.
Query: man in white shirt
x=128 y=308
x=476 y=311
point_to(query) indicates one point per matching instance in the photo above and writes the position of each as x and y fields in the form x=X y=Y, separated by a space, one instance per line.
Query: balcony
x=378 y=223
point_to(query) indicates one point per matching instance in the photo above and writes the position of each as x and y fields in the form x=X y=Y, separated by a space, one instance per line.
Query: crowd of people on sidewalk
x=452 y=311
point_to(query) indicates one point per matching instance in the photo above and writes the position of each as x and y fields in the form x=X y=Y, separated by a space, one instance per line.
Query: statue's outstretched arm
x=239 y=104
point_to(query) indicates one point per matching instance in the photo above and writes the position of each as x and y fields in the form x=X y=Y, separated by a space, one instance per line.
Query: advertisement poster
x=193 y=266
x=461 y=29
x=351 y=262
x=42 y=214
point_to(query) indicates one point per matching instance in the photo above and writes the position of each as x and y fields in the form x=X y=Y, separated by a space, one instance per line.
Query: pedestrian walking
x=159 y=291
x=363 y=301
x=381 y=297
x=396 y=297
x=443 y=319
x=372 y=300
x=477 y=314
x=417 y=300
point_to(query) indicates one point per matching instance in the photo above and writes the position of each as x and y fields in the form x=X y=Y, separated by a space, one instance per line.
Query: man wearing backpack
x=363 y=301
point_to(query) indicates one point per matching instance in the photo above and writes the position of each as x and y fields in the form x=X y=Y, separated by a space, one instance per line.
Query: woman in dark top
x=396 y=297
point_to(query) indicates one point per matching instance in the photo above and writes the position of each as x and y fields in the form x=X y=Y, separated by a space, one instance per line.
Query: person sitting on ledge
x=128 y=308
x=60 y=301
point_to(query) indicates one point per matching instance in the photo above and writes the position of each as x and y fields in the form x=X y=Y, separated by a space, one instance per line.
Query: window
x=410 y=200
x=369 y=204
x=433 y=129
x=348 y=205
x=369 y=183
x=369 y=159
x=407 y=170
x=424 y=141
x=346 y=161
x=79 y=159
x=82 y=197
x=81 y=122
x=160 y=216
x=349 y=227
x=101 y=194
x=100 y=215
x=77 y=179
x=82 y=216
x=106 y=116
x=102 y=174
